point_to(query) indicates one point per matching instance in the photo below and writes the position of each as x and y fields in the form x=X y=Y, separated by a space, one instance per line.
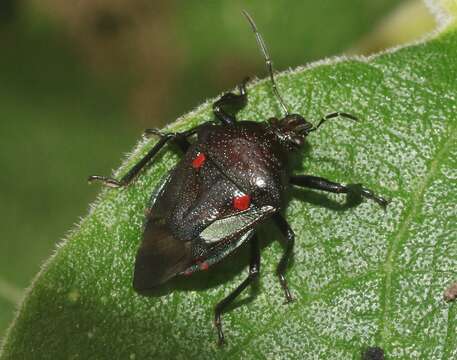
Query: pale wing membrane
x=235 y=224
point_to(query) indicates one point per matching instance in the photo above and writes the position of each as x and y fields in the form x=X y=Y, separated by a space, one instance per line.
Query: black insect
x=232 y=177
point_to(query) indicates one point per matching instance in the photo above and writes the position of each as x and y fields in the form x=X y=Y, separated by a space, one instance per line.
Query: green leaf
x=361 y=276
x=95 y=107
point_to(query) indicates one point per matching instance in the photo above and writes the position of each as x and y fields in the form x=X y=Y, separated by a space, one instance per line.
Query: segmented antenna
x=267 y=58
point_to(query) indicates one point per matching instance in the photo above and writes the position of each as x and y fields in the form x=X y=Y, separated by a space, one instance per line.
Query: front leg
x=318 y=183
x=229 y=104
x=179 y=138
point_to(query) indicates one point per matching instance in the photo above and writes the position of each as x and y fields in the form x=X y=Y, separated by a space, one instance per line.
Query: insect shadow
x=318 y=198
x=223 y=272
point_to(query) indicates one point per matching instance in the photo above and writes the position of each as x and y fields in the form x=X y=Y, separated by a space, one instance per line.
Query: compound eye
x=294 y=120
x=306 y=127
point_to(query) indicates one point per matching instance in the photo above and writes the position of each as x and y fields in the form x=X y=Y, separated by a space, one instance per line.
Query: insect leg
x=315 y=182
x=282 y=266
x=229 y=104
x=179 y=138
x=254 y=271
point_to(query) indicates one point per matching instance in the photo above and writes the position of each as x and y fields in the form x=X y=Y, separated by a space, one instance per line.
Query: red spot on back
x=241 y=202
x=203 y=266
x=199 y=160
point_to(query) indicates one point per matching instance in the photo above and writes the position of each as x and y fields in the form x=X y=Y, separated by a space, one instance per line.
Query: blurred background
x=79 y=80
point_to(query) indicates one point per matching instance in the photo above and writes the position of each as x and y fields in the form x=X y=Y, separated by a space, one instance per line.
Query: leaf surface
x=70 y=110
x=361 y=276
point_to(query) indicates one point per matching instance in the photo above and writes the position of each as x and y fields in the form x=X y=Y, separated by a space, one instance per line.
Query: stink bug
x=232 y=177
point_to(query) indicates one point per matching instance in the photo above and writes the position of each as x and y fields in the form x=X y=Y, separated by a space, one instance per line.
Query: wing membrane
x=235 y=224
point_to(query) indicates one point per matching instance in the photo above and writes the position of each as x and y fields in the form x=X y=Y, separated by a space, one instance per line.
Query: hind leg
x=254 y=271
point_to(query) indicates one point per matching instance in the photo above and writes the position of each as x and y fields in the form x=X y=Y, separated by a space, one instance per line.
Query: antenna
x=267 y=58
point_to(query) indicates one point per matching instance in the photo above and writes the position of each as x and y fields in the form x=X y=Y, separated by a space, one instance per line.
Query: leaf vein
x=416 y=200
x=279 y=318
